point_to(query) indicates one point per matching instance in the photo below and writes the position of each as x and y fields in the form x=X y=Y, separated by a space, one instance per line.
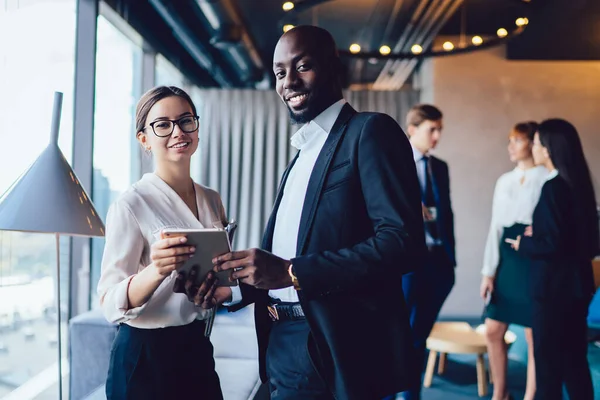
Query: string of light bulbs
x=416 y=50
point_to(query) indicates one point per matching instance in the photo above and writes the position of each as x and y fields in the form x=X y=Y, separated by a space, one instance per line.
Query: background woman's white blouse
x=513 y=203
x=133 y=224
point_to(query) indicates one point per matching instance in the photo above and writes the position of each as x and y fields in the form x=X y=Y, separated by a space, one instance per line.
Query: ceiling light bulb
x=288 y=6
x=354 y=48
x=385 y=50
x=521 y=21
x=416 y=49
x=287 y=27
x=501 y=32
x=477 y=40
x=448 y=46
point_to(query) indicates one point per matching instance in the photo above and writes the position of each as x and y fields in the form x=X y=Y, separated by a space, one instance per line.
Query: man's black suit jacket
x=441 y=192
x=361 y=229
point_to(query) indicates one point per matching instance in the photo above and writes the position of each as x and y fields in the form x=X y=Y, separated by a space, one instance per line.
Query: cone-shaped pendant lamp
x=48 y=198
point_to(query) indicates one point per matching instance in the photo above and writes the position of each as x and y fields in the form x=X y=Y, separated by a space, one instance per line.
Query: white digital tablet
x=209 y=243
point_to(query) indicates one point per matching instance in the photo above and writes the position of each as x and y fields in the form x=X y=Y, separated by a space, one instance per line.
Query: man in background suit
x=427 y=289
x=330 y=314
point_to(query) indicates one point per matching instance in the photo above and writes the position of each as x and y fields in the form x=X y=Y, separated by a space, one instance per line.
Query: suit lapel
x=317 y=176
x=268 y=235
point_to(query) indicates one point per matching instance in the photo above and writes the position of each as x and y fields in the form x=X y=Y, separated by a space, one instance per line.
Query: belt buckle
x=273 y=312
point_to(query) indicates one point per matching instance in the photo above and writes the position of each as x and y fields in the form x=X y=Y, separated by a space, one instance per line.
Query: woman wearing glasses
x=160 y=348
x=561 y=243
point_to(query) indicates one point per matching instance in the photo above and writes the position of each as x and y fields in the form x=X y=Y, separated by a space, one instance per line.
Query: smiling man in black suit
x=330 y=313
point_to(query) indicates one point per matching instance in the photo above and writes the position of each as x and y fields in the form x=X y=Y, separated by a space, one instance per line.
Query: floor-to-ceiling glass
x=37 y=45
x=114 y=127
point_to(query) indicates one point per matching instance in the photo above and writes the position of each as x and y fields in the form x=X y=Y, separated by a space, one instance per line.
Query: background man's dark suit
x=427 y=289
x=361 y=229
x=441 y=190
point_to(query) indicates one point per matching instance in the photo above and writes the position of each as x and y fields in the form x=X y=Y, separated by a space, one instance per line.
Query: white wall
x=482 y=95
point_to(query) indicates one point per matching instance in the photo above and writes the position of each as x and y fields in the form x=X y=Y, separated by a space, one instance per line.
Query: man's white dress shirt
x=309 y=140
x=422 y=175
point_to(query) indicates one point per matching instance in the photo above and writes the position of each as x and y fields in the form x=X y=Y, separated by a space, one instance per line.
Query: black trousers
x=425 y=292
x=292 y=375
x=165 y=363
x=559 y=330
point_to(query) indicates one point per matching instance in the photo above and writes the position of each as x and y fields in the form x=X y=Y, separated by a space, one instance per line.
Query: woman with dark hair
x=505 y=282
x=161 y=350
x=561 y=243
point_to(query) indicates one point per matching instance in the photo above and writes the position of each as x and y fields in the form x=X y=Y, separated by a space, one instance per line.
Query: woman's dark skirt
x=511 y=300
x=165 y=363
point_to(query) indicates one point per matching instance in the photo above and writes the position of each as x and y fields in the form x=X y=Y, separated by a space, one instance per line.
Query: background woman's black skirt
x=165 y=363
x=511 y=299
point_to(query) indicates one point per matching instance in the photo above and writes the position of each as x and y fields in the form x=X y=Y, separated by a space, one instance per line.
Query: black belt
x=285 y=311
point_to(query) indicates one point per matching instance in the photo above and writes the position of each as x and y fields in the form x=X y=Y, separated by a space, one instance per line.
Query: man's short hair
x=423 y=112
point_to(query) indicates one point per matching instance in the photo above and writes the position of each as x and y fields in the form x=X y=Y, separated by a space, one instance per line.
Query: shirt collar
x=417 y=155
x=552 y=174
x=529 y=171
x=322 y=123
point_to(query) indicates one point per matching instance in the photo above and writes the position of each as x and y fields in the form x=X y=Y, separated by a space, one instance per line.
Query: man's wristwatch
x=294 y=279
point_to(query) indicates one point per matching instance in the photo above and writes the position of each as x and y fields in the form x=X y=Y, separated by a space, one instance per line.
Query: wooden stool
x=456 y=338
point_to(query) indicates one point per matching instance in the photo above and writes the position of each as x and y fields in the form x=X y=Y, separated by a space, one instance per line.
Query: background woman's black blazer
x=561 y=252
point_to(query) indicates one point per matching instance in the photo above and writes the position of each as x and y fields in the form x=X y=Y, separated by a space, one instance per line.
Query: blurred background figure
x=505 y=281
x=561 y=243
x=426 y=289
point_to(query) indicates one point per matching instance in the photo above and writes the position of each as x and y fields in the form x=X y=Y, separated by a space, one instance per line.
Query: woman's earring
x=148 y=152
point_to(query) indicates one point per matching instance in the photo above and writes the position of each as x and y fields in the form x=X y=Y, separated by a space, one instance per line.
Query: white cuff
x=488 y=271
x=121 y=311
x=236 y=296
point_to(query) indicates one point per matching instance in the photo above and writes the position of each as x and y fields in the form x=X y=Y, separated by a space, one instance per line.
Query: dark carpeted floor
x=459 y=382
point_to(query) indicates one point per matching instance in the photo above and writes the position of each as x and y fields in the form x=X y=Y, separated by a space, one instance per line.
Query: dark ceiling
x=229 y=43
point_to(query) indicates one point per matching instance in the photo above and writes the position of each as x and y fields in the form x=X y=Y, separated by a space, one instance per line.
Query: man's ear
x=410 y=130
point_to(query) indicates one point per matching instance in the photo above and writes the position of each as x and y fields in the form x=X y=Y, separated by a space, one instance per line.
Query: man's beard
x=317 y=104
x=302 y=117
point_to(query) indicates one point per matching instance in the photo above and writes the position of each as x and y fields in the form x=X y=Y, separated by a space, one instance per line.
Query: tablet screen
x=209 y=243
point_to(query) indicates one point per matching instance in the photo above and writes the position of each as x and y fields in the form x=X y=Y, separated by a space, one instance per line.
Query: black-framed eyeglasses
x=165 y=127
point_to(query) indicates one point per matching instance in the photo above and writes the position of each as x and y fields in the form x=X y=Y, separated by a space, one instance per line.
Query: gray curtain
x=244 y=148
x=393 y=103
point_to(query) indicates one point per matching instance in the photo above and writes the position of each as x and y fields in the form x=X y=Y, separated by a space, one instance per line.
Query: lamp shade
x=48 y=197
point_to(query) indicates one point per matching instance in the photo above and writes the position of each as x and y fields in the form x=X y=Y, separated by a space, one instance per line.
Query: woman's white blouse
x=133 y=224
x=513 y=203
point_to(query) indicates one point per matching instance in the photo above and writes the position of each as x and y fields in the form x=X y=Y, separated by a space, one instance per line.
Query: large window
x=115 y=146
x=167 y=73
x=37 y=42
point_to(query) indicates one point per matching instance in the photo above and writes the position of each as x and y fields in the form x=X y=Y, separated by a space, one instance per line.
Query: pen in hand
x=230 y=229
